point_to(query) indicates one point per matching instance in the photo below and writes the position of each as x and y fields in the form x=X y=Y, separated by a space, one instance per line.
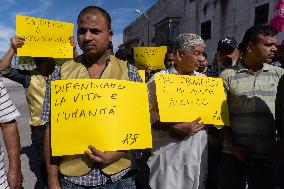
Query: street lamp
x=148 y=24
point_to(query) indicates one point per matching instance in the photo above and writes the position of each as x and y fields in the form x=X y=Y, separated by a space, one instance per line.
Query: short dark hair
x=251 y=35
x=94 y=10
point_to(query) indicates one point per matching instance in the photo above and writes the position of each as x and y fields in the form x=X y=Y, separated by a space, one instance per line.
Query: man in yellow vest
x=34 y=82
x=94 y=169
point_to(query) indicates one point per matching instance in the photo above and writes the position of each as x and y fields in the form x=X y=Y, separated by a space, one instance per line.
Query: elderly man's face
x=190 y=60
x=93 y=34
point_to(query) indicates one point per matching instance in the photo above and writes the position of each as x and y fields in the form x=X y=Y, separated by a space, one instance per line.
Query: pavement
x=28 y=160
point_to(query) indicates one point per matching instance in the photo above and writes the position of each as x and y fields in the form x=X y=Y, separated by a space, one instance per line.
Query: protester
x=227 y=53
x=169 y=60
x=203 y=66
x=179 y=163
x=34 y=82
x=94 y=169
x=279 y=123
x=8 y=114
x=251 y=87
x=226 y=57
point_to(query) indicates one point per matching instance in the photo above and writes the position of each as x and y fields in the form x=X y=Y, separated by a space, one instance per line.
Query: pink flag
x=277 y=20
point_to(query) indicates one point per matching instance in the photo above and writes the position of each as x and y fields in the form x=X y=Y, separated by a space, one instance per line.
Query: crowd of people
x=247 y=154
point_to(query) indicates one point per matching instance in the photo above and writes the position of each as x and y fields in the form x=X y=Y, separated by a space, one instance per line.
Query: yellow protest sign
x=44 y=38
x=142 y=75
x=185 y=98
x=150 y=57
x=108 y=114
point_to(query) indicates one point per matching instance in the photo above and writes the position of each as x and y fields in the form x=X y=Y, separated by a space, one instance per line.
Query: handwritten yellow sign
x=142 y=74
x=108 y=114
x=44 y=38
x=185 y=98
x=150 y=57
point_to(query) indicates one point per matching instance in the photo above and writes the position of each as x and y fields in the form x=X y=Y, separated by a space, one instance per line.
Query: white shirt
x=175 y=164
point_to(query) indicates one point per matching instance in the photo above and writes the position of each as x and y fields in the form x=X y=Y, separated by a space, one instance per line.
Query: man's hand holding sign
x=95 y=104
x=44 y=38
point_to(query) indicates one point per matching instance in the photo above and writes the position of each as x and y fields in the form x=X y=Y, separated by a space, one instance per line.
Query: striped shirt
x=251 y=100
x=8 y=112
x=95 y=177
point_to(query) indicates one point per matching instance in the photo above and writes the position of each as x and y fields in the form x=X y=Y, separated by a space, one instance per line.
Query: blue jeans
x=127 y=183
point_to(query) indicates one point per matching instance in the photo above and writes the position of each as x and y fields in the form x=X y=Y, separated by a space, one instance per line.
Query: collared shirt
x=175 y=157
x=251 y=100
x=95 y=177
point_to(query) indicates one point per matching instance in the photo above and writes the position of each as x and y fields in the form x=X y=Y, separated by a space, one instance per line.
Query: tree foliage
x=30 y=60
x=26 y=60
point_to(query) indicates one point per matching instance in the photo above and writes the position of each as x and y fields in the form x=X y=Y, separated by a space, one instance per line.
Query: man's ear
x=249 y=47
x=178 y=55
x=110 y=35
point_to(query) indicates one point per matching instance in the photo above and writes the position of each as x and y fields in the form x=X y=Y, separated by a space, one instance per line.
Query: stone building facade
x=212 y=19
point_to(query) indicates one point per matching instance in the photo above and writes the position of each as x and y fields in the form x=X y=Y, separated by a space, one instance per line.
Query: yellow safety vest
x=78 y=165
x=35 y=94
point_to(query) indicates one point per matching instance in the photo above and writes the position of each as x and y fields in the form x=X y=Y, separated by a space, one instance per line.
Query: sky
x=122 y=13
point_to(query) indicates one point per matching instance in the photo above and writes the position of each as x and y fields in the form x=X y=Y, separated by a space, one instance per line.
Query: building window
x=173 y=33
x=206 y=30
x=162 y=34
x=261 y=14
x=166 y=31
